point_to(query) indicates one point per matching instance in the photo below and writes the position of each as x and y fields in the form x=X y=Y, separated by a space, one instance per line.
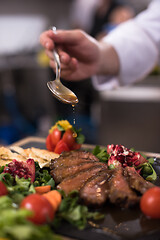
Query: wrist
x=108 y=60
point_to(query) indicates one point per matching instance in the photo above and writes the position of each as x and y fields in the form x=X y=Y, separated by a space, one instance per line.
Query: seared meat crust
x=136 y=181
x=73 y=157
x=63 y=172
x=76 y=181
x=96 y=190
x=120 y=193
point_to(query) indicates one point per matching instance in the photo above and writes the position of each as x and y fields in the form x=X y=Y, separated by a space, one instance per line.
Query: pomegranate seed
x=21 y=169
x=124 y=156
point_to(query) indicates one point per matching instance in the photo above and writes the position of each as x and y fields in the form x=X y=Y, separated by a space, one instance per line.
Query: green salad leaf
x=15 y=226
x=43 y=177
x=5 y=203
x=76 y=214
x=21 y=188
x=101 y=153
x=148 y=172
x=7 y=179
x=13 y=220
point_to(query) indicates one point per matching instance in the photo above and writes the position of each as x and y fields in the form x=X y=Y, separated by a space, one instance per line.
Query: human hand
x=79 y=53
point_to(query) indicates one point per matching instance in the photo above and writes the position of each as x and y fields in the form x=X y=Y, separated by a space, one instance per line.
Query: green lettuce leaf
x=76 y=214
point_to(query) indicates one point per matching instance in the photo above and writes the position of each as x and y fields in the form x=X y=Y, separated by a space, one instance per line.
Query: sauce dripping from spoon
x=74 y=120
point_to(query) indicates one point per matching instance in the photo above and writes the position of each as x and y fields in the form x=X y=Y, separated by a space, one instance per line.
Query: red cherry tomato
x=41 y=208
x=61 y=147
x=150 y=202
x=76 y=146
x=68 y=138
x=55 y=136
x=3 y=189
x=49 y=144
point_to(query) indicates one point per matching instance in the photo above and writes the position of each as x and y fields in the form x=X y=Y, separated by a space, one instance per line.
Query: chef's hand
x=81 y=55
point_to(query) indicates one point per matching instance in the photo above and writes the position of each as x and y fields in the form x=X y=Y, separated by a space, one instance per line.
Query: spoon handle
x=56 y=59
x=58 y=66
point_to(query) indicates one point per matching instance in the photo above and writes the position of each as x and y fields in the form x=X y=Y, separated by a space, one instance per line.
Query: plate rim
x=26 y=140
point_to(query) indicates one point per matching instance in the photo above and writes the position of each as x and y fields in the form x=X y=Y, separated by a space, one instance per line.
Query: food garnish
x=43 y=189
x=61 y=125
x=3 y=189
x=64 y=137
x=41 y=210
x=120 y=156
x=43 y=177
x=150 y=203
x=21 y=169
x=101 y=153
x=76 y=214
x=54 y=197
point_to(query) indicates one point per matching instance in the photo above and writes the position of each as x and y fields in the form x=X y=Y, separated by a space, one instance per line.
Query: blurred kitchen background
x=128 y=116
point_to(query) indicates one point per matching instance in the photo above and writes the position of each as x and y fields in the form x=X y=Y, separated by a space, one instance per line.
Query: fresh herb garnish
x=17 y=187
x=148 y=172
x=60 y=128
x=76 y=214
x=7 y=179
x=101 y=153
x=43 y=177
x=80 y=137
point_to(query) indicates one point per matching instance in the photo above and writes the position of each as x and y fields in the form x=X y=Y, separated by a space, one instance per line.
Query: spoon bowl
x=61 y=92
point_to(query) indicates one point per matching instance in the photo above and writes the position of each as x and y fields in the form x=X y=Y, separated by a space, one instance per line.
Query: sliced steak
x=120 y=193
x=80 y=154
x=95 y=191
x=73 y=157
x=136 y=181
x=61 y=173
x=82 y=171
x=76 y=181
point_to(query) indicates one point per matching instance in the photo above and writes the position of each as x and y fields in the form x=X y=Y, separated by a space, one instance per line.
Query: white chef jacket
x=137 y=43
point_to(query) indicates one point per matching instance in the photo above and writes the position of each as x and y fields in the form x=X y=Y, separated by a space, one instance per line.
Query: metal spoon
x=61 y=92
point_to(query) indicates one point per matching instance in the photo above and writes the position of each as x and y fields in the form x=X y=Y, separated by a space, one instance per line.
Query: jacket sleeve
x=137 y=43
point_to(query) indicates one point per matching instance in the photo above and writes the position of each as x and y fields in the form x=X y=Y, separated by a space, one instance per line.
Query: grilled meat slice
x=73 y=157
x=80 y=154
x=95 y=191
x=62 y=172
x=120 y=193
x=136 y=181
x=76 y=181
